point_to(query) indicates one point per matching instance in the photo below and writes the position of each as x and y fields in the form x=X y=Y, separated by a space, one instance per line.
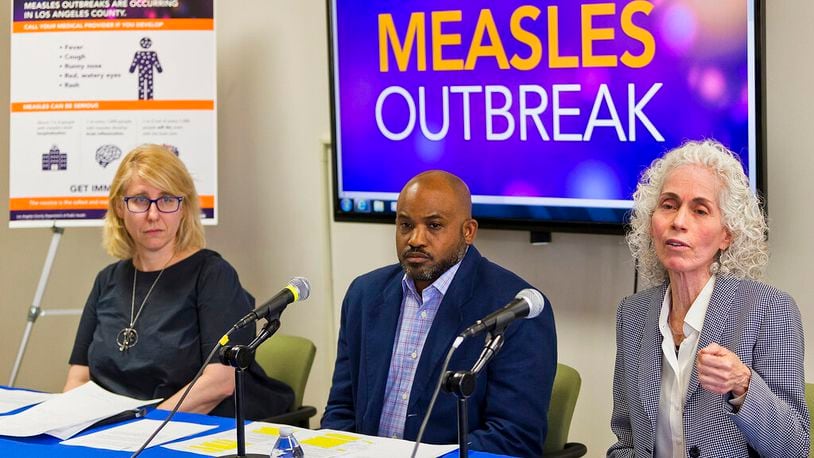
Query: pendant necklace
x=128 y=337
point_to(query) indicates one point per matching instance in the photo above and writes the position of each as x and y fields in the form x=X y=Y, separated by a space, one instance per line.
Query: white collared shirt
x=676 y=368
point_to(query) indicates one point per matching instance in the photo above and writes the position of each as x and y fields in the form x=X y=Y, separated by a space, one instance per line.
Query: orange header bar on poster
x=76 y=203
x=111 y=105
x=107 y=25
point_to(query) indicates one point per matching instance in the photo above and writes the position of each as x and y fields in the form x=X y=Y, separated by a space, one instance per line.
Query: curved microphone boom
x=528 y=303
x=298 y=289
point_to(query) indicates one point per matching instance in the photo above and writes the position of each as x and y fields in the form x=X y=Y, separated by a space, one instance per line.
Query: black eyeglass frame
x=127 y=199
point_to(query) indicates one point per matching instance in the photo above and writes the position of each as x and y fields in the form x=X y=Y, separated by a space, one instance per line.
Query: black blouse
x=191 y=307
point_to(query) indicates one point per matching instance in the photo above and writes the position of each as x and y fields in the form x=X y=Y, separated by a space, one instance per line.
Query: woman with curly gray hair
x=709 y=361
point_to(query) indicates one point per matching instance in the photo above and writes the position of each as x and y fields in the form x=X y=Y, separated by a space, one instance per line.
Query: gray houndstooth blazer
x=762 y=326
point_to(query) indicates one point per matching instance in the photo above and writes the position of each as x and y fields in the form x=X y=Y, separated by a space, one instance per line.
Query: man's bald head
x=444 y=183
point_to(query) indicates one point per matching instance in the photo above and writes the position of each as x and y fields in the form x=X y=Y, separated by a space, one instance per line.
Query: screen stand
x=539 y=238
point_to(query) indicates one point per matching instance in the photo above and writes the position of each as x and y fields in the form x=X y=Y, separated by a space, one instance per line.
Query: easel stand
x=463 y=383
x=241 y=357
x=35 y=311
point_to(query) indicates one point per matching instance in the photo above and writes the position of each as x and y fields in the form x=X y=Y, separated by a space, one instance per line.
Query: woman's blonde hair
x=158 y=166
x=748 y=253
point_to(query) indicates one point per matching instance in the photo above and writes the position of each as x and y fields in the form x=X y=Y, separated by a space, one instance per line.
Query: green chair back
x=810 y=403
x=567 y=383
x=288 y=359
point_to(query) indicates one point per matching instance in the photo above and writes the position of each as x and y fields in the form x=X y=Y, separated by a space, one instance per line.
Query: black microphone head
x=300 y=287
x=534 y=299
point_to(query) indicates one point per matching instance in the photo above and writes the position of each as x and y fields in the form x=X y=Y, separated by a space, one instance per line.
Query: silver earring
x=714 y=267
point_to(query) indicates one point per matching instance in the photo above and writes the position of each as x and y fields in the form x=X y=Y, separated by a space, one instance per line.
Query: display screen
x=548 y=110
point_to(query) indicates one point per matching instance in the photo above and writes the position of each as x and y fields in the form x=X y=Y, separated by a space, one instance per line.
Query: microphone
x=527 y=304
x=297 y=289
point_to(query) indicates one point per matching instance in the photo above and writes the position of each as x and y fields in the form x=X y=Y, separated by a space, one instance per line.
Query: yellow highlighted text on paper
x=269 y=430
x=329 y=440
x=216 y=445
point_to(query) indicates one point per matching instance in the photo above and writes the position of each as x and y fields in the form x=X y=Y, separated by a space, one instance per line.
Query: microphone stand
x=241 y=357
x=463 y=383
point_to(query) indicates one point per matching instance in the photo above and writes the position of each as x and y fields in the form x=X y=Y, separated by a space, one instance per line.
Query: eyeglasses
x=141 y=204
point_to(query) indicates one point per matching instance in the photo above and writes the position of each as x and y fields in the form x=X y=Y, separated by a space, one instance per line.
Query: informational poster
x=91 y=80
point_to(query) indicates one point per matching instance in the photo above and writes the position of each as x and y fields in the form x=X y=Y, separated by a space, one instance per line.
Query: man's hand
x=721 y=371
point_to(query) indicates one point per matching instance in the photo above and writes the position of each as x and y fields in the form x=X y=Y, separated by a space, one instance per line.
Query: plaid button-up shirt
x=417 y=314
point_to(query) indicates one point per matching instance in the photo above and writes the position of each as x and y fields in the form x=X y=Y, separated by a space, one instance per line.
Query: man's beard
x=431 y=272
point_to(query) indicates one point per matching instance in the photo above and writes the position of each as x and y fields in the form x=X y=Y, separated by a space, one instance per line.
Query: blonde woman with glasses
x=153 y=316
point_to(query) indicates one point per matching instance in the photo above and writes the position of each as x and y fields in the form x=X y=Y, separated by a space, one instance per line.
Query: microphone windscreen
x=302 y=286
x=535 y=300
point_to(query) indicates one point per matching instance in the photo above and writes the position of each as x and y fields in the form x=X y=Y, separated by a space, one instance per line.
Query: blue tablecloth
x=47 y=446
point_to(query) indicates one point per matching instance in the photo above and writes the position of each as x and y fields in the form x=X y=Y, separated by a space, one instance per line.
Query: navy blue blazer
x=762 y=326
x=507 y=412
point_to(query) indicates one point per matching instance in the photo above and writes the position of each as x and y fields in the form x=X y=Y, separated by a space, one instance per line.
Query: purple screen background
x=700 y=58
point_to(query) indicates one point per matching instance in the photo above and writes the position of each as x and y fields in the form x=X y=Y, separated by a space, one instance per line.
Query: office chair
x=289 y=359
x=560 y=411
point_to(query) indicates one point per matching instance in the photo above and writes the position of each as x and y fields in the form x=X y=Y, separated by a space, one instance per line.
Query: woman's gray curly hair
x=748 y=252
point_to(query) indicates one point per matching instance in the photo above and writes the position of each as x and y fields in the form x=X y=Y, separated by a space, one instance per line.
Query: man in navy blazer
x=398 y=322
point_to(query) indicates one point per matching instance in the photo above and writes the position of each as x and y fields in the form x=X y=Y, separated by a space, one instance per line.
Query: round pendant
x=126 y=338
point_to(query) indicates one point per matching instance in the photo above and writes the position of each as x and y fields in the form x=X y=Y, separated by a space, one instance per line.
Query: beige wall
x=275 y=220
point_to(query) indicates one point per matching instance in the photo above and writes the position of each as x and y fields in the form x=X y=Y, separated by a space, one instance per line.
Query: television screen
x=549 y=110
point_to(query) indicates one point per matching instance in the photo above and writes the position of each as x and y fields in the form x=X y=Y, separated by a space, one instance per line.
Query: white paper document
x=71 y=430
x=83 y=404
x=130 y=436
x=325 y=443
x=15 y=399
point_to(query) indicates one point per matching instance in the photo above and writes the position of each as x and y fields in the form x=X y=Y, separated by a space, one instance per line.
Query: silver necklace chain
x=128 y=337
